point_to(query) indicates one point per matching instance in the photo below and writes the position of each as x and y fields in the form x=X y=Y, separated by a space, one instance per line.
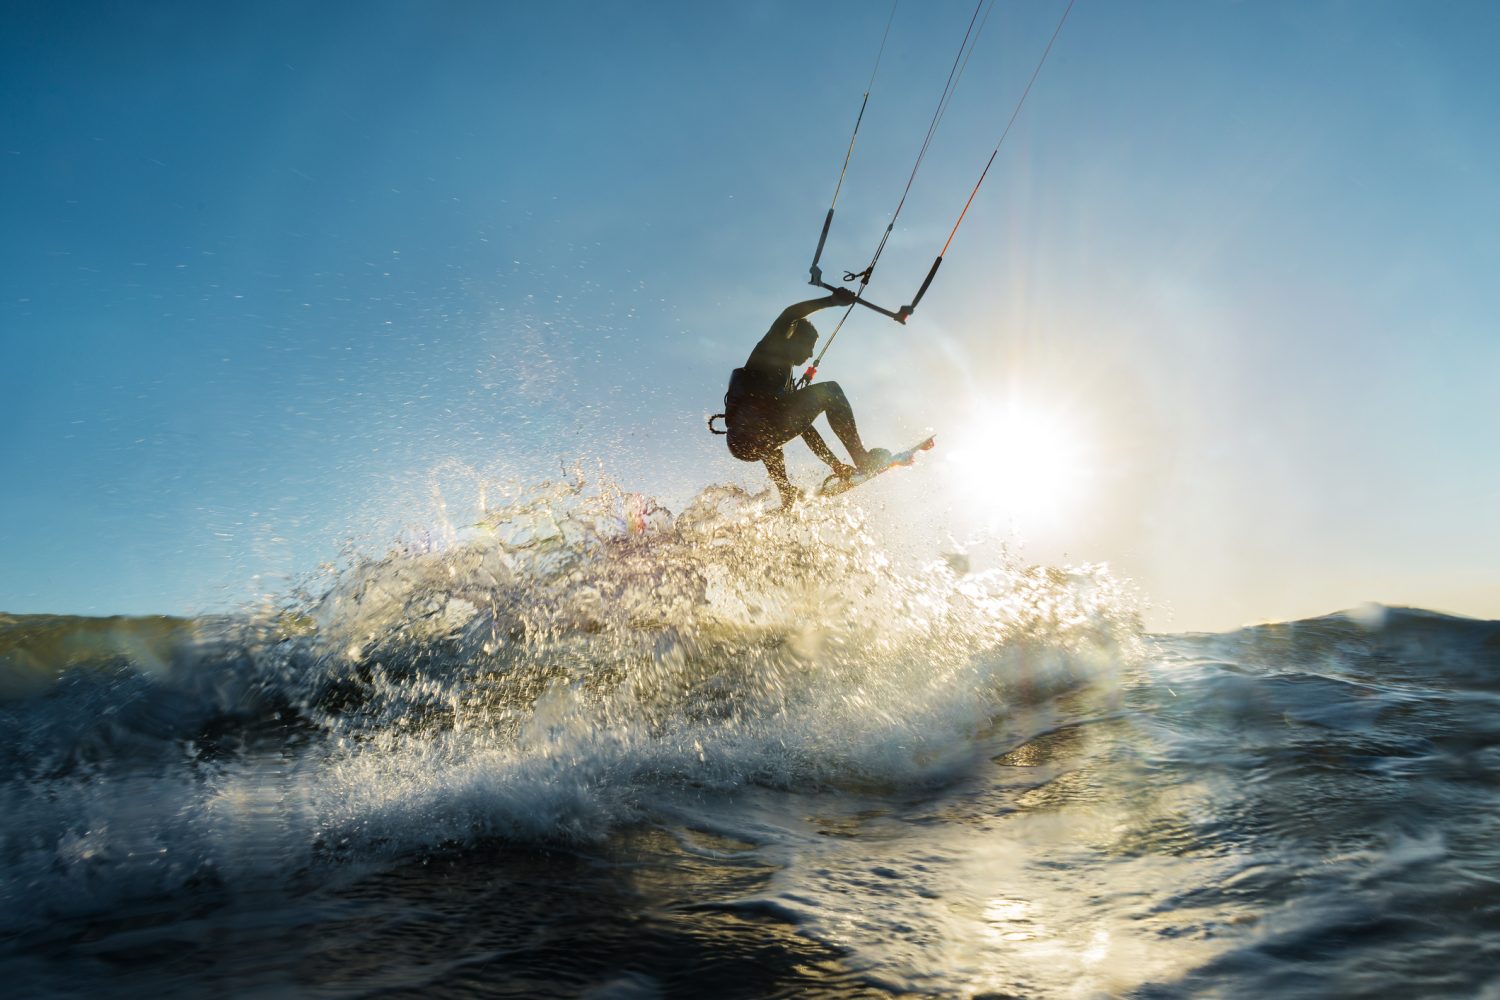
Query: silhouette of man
x=763 y=409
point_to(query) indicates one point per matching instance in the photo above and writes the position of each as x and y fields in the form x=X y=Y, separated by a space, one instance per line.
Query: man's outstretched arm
x=802 y=310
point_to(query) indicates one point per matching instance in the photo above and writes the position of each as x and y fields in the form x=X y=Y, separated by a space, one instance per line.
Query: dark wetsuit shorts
x=760 y=422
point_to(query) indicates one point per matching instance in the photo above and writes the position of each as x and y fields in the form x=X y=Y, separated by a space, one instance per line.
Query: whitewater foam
x=568 y=662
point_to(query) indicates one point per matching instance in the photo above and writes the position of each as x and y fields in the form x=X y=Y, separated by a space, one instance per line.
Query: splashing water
x=575 y=660
x=570 y=744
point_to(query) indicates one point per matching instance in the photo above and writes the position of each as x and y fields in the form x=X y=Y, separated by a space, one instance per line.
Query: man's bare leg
x=829 y=399
x=776 y=466
x=815 y=442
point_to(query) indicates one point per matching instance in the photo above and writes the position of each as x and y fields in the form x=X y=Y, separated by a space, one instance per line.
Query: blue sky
x=270 y=274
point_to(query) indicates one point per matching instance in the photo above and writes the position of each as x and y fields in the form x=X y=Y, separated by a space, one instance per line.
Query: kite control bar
x=899 y=315
x=863 y=277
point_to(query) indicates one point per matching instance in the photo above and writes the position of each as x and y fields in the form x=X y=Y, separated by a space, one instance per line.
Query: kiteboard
x=833 y=485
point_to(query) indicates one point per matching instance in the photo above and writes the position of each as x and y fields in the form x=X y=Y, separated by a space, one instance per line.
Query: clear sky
x=1223 y=315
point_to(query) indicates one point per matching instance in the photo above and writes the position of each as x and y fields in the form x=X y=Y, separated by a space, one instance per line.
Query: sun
x=1020 y=463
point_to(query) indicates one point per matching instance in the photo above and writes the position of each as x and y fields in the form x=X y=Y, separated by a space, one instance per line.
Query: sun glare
x=1021 y=464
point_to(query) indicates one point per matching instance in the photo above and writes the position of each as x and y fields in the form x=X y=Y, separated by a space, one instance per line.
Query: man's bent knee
x=830 y=394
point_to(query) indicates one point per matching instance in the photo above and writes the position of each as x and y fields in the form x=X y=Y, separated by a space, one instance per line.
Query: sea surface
x=587 y=748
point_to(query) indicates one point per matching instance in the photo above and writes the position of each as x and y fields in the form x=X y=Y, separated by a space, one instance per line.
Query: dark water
x=588 y=749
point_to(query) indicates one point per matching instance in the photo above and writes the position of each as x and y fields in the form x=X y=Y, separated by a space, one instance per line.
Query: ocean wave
x=569 y=662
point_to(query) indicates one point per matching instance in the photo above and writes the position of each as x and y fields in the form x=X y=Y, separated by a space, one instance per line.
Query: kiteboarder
x=764 y=408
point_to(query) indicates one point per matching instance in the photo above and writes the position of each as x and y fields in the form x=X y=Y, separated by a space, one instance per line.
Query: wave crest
x=575 y=659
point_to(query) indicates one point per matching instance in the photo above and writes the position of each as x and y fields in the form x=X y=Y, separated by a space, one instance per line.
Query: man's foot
x=874 y=460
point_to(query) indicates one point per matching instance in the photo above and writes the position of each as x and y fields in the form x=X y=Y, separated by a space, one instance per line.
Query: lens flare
x=1020 y=463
